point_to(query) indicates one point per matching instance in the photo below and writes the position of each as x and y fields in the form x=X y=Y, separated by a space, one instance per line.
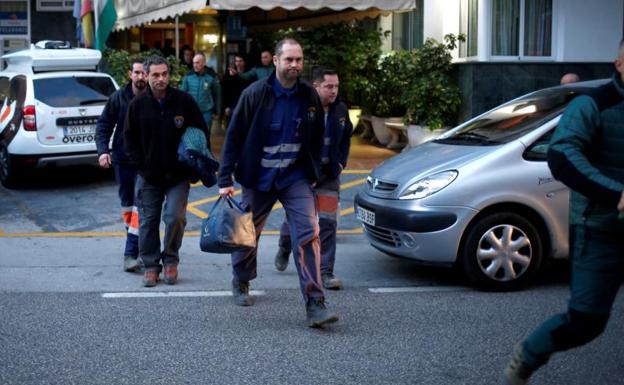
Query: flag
x=76 y=15
x=86 y=18
x=105 y=17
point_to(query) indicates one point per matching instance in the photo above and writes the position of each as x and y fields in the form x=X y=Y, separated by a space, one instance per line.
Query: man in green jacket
x=585 y=154
x=204 y=87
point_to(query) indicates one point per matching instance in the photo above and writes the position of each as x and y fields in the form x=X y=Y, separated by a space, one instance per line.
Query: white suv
x=50 y=99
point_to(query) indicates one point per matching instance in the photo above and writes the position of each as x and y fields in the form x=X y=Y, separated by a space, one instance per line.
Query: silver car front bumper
x=409 y=229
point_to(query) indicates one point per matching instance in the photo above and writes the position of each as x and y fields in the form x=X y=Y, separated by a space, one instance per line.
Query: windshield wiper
x=92 y=101
x=469 y=137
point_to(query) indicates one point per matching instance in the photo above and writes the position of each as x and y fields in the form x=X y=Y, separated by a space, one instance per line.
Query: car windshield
x=76 y=90
x=512 y=120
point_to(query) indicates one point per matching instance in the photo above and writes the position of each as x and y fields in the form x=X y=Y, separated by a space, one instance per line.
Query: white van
x=51 y=96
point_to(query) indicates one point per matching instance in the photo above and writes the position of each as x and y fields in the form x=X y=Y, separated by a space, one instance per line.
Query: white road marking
x=416 y=289
x=168 y=294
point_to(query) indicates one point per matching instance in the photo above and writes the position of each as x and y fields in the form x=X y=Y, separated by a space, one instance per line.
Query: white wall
x=583 y=30
x=589 y=31
x=433 y=21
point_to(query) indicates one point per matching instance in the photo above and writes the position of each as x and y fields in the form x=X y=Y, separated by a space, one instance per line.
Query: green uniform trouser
x=597 y=272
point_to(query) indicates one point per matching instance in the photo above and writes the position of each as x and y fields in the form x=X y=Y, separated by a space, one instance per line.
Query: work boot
x=517 y=372
x=150 y=278
x=131 y=264
x=171 y=274
x=240 y=291
x=281 y=259
x=330 y=282
x=317 y=313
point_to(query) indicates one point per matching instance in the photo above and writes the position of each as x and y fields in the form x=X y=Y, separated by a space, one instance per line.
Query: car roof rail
x=53 y=44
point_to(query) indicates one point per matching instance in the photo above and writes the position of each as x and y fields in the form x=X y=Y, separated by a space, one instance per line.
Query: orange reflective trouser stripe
x=327 y=203
x=130 y=217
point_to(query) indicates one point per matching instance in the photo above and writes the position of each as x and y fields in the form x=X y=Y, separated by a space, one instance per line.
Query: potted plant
x=431 y=98
x=384 y=96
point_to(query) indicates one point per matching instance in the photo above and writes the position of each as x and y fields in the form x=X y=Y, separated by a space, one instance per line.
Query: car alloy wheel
x=502 y=251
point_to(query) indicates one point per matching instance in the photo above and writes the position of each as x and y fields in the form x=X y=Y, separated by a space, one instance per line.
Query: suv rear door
x=67 y=106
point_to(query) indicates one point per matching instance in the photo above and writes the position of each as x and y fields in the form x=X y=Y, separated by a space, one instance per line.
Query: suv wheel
x=8 y=170
x=502 y=251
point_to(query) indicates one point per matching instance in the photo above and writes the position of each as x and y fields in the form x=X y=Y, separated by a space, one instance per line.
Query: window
x=77 y=91
x=522 y=28
x=468 y=24
x=55 y=5
x=407 y=28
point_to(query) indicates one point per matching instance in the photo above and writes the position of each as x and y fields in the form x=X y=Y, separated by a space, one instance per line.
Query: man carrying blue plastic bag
x=273 y=147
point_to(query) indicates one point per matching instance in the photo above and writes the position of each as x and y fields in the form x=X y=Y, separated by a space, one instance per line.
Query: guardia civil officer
x=585 y=153
x=273 y=147
x=336 y=144
x=111 y=123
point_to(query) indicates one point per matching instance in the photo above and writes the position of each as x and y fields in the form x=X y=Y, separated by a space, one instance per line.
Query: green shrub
x=117 y=63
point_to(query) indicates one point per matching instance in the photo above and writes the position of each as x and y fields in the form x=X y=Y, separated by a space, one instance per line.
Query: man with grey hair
x=273 y=146
x=585 y=154
x=155 y=123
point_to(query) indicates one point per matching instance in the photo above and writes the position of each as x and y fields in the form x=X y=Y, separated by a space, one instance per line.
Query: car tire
x=502 y=252
x=9 y=174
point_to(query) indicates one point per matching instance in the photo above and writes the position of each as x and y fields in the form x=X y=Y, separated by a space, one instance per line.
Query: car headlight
x=429 y=185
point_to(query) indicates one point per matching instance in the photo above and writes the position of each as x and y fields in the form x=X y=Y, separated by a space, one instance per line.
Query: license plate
x=79 y=130
x=365 y=216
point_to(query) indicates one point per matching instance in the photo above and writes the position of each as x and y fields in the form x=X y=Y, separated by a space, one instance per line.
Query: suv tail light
x=30 y=121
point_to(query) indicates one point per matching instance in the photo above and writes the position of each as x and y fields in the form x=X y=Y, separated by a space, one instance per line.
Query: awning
x=136 y=12
x=336 y=5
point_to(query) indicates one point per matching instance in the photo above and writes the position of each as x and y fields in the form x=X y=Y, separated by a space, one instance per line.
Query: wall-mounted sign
x=13 y=23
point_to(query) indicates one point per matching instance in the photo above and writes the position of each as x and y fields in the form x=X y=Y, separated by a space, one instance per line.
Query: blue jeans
x=300 y=207
x=151 y=199
x=597 y=273
x=125 y=175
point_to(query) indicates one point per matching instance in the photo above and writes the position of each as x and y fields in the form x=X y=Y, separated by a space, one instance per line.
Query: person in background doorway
x=204 y=88
x=111 y=123
x=336 y=144
x=259 y=72
x=187 y=57
x=233 y=86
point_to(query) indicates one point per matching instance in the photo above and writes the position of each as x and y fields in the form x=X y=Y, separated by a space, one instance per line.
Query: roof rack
x=49 y=55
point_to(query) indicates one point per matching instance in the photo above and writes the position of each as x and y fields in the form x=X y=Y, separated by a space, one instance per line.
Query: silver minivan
x=480 y=196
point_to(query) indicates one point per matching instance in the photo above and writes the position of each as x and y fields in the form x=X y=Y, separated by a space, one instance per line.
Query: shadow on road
x=64 y=177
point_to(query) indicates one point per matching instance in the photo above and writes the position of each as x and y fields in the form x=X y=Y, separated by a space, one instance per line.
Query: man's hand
x=620 y=205
x=105 y=160
x=232 y=71
x=226 y=191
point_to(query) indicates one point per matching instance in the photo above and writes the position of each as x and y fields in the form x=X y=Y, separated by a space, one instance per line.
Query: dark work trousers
x=299 y=204
x=151 y=199
x=597 y=273
x=327 y=194
x=125 y=175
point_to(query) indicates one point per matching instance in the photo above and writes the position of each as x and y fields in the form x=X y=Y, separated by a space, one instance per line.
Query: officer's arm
x=132 y=136
x=345 y=140
x=105 y=125
x=568 y=154
x=235 y=137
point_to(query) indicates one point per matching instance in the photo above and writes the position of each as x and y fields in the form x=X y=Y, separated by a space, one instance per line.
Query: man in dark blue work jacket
x=273 y=147
x=111 y=123
x=336 y=143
